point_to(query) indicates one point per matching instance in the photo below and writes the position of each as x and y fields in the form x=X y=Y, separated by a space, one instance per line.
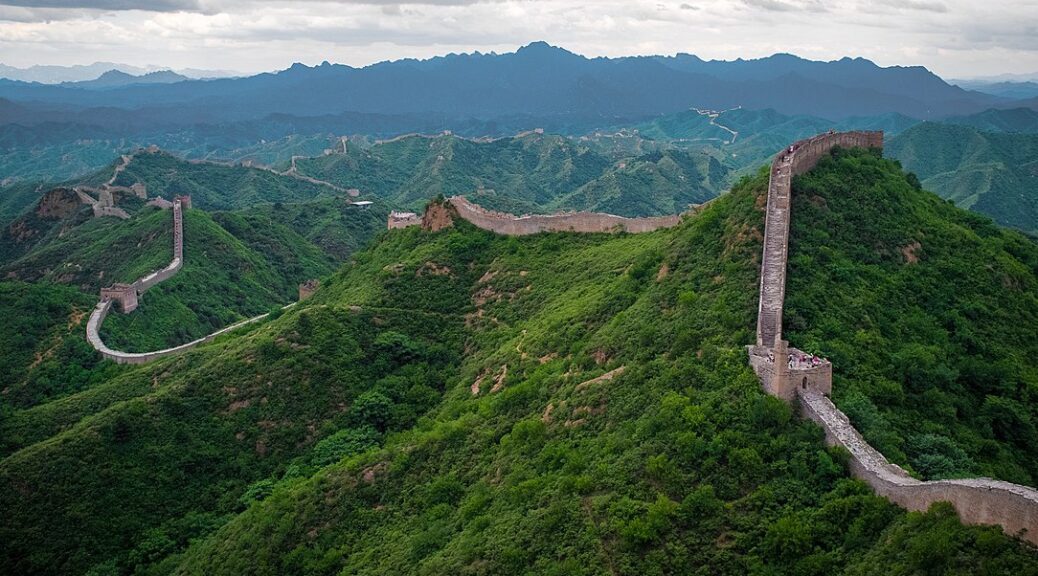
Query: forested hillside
x=988 y=172
x=460 y=402
x=529 y=173
x=926 y=311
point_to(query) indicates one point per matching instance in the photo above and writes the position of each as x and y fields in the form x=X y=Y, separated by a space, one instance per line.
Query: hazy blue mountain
x=115 y=78
x=1010 y=89
x=56 y=74
x=1013 y=120
x=537 y=80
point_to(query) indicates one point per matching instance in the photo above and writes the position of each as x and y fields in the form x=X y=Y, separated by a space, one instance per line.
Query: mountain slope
x=992 y=173
x=528 y=173
x=925 y=311
x=459 y=402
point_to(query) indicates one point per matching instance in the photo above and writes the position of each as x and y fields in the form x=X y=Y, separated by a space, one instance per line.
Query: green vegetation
x=44 y=353
x=987 y=172
x=441 y=405
x=531 y=173
x=928 y=314
x=337 y=228
x=230 y=273
x=213 y=186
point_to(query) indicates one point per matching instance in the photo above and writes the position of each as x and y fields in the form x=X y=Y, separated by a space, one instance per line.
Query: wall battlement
x=511 y=225
x=977 y=500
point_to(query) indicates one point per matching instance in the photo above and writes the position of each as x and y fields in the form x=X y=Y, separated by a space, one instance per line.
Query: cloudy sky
x=955 y=38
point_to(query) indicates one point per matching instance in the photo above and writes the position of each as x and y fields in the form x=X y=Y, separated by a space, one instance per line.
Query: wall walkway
x=977 y=500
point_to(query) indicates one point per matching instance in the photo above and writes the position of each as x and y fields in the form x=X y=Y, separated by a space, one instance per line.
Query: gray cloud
x=148 y=5
x=787 y=5
x=213 y=6
x=920 y=5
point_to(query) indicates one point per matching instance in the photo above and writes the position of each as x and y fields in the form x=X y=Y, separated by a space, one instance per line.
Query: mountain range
x=50 y=74
x=538 y=80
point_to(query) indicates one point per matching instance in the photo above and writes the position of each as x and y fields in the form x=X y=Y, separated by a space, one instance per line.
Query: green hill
x=212 y=186
x=238 y=264
x=992 y=173
x=1022 y=120
x=45 y=353
x=758 y=133
x=459 y=402
x=657 y=183
x=531 y=173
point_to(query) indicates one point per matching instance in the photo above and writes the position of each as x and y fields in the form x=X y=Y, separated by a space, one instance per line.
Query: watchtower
x=124 y=294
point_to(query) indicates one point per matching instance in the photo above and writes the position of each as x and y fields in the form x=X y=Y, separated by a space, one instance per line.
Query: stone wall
x=121 y=291
x=786 y=384
x=119 y=357
x=977 y=500
x=797 y=159
x=511 y=225
x=124 y=294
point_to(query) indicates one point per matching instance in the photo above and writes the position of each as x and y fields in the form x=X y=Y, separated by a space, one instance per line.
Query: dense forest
x=460 y=402
x=928 y=313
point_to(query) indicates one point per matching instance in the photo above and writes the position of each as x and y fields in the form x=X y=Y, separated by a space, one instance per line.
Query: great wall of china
x=977 y=500
x=567 y=222
x=126 y=295
x=511 y=225
x=807 y=384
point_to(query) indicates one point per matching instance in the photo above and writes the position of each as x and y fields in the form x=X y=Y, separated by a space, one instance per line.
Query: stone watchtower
x=124 y=294
x=185 y=201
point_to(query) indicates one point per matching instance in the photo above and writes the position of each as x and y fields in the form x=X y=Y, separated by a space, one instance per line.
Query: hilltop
x=457 y=401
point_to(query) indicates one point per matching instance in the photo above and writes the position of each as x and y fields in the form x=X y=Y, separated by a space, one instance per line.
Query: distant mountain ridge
x=988 y=172
x=85 y=72
x=115 y=78
x=538 y=80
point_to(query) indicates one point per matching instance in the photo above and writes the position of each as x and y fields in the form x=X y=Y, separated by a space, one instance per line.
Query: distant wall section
x=510 y=225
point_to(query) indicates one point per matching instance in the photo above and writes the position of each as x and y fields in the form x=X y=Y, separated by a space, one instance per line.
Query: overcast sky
x=955 y=38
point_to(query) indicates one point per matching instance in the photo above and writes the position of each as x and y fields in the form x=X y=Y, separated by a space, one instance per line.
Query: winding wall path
x=977 y=500
x=104 y=306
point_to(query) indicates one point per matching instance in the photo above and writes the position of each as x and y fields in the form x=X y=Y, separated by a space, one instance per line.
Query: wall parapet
x=800 y=157
x=588 y=222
